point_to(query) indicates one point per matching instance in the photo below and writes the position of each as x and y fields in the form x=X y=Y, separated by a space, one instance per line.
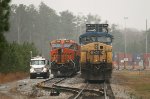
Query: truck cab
x=39 y=67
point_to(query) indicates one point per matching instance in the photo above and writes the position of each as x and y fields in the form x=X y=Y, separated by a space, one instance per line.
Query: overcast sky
x=114 y=11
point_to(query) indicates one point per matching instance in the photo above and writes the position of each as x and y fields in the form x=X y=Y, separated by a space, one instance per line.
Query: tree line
x=13 y=56
x=32 y=28
x=43 y=24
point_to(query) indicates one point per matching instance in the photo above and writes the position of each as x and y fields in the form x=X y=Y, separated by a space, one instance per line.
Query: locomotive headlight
x=62 y=50
x=56 y=61
x=96 y=46
x=44 y=69
x=104 y=60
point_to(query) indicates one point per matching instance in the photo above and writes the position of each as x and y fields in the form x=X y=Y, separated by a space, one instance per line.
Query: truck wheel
x=31 y=77
x=45 y=76
x=48 y=75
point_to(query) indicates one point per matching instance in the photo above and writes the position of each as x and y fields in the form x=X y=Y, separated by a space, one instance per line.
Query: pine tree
x=4 y=22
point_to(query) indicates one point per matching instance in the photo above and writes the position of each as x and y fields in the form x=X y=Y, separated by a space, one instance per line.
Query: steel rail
x=53 y=83
x=105 y=91
x=80 y=92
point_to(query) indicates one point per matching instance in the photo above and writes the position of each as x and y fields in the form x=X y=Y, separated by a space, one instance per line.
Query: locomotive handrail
x=73 y=63
x=52 y=62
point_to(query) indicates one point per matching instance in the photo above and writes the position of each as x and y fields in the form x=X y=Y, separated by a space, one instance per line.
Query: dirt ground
x=9 y=77
x=124 y=83
x=8 y=82
x=139 y=81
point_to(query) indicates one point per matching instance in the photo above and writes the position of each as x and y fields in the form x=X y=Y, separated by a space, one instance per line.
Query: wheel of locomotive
x=55 y=75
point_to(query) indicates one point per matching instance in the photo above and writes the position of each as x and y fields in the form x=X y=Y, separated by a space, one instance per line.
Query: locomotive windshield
x=67 y=45
x=70 y=46
x=103 y=39
x=57 y=45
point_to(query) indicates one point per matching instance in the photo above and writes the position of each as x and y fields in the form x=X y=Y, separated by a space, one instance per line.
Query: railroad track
x=49 y=83
x=104 y=91
x=87 y=91
x=108 y=90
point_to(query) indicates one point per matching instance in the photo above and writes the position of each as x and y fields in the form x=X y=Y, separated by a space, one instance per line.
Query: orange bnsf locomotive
x=65 y=57
x=96 y=52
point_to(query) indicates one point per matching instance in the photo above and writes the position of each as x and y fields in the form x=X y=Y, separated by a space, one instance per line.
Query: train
x=96 y=53
x=65 y=57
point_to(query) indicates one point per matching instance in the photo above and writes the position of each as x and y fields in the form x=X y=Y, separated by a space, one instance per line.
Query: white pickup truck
x=39 y=67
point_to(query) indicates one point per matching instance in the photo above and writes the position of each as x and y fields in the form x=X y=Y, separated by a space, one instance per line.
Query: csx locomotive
x=65 y=57
x=96 y=52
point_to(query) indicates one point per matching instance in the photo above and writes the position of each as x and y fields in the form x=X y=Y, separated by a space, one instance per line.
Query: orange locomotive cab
x=65 y=56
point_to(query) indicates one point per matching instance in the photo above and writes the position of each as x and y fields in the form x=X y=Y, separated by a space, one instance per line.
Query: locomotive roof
x=63 y=40
x=89 y=34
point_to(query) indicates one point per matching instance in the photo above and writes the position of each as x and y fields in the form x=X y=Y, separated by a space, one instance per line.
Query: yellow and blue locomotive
x=96 y=52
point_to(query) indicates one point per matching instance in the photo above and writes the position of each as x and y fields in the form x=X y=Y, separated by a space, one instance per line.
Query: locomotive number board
x=96 y=52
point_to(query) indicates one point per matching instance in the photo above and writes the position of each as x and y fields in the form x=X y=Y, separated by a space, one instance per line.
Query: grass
x=9 y=77
x=137 y=80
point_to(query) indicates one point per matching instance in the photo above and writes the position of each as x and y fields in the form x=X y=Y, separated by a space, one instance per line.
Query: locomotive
x=65 y=57
x=96 y=53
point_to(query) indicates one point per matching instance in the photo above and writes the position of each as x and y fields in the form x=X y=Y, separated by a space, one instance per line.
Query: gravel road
x=25 y=89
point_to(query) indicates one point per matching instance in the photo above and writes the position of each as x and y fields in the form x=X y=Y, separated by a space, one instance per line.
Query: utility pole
x=18 y=35
x=125 y=45
x=31 y=54
x=145 y=47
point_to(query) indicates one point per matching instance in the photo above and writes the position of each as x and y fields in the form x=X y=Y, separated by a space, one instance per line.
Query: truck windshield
x=38 y=62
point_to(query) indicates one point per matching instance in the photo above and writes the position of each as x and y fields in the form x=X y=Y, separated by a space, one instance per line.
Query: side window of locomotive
x=108 y=39
x=83 y=40
x=76 y=47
